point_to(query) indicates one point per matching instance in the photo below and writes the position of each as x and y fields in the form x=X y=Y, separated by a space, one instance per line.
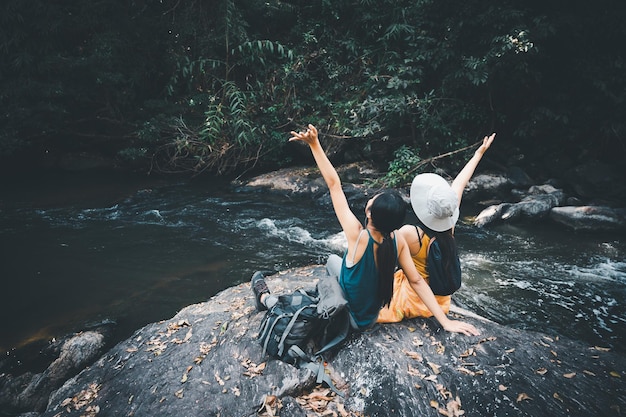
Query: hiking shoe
x=259 y=287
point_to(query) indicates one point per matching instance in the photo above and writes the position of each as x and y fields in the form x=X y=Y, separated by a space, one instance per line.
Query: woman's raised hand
x=487 y=140
x=309 y=136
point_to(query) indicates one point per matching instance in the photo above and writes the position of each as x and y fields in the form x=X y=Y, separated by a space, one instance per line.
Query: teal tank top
x=360 y=285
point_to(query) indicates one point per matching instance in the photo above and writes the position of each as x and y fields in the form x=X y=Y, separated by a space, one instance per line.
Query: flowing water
x=78 y=250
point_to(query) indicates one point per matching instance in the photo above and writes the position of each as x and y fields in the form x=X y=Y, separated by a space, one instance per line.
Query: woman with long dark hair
x=366 y=272
x=436 y=205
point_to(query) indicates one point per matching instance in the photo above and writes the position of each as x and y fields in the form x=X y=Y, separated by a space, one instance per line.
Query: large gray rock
x=535 y=205
x=206 y=361
x=590 y=218
x=307 y=181
x=487 y=186
x=31 y=392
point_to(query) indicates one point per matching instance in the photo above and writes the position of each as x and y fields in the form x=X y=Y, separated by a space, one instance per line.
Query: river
x=83 y=249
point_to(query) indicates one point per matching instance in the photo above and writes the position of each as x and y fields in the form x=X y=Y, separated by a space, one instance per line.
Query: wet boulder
x=299 y=181
x=590 y=218
x=536 y=204
x=31 y=391
x=206 y=361
x=487 y=186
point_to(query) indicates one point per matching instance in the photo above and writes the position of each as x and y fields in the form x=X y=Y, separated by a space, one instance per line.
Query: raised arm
x=421 y=287
x=349 y=223
x=461 y=180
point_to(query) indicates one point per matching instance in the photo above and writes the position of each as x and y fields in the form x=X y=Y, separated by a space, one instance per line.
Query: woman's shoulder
x=410 y=232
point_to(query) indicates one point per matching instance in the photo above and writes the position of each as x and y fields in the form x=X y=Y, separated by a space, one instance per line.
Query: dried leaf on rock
x=205 y=348
x=586 y=372
x=522 y=396
x=417 y=342
x=179 y=393
x=414 y=372
x=83 y=398
x=185 y=374
x=502 y=387
x=443 y=391
x=469 y=371
x=541 y=371
x=218 y=379
x=557 y=396
x=91 y=411
x=453 y=408
x=570 y=375
x=467 y=353
x=615 y=374
x=436 y=368
x=602 y=349
x=317 y=400
x=174 y=327
x=156 y=346
x=413 y=355
x=440 y=348
x=252 y=369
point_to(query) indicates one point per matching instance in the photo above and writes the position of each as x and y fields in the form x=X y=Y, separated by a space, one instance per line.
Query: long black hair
x=388 y=211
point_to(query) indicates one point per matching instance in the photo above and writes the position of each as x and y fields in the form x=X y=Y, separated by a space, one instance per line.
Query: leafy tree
x=215 y=85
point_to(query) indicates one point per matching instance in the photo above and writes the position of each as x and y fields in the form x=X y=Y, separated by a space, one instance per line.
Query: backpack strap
x=292 y=322
x=267 y=330
x=316 y=367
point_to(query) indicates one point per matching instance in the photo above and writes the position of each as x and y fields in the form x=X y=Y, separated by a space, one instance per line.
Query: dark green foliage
x=217 y=85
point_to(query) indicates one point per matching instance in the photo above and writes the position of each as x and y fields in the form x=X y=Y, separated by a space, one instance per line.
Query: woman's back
x=417 y=242
x=359 y=280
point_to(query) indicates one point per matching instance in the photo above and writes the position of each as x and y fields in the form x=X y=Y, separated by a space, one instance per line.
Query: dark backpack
x=304 y=325
x=440 y=282
x=292 y=321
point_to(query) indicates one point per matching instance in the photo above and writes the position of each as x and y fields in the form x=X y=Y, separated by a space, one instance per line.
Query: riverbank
x=206 y=361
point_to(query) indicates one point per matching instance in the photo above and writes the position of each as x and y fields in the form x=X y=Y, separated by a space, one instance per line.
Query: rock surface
x=206 y=361
x=537 y=204
x=590 y=218
x=30 y=392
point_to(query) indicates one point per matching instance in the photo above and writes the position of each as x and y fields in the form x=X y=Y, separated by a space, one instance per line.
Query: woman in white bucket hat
x=436 y=205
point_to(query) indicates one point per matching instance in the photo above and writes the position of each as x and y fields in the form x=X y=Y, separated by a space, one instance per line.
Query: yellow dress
x=405 y=303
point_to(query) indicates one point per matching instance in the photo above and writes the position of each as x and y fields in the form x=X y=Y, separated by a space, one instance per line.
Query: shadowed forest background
x=214 y=87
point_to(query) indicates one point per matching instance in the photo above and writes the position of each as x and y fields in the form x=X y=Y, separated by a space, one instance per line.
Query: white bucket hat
x=434 y=202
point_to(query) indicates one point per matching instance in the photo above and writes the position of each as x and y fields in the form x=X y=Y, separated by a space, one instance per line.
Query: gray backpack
x=301 y=327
